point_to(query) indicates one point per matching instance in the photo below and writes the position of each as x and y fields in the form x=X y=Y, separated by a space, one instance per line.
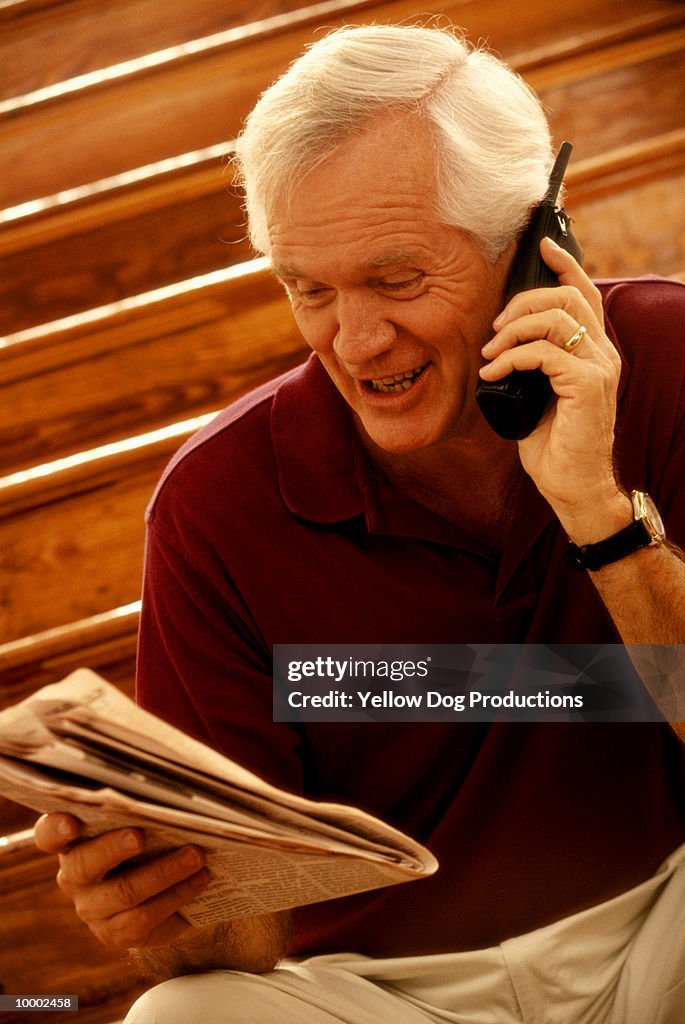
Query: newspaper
x=82 y=746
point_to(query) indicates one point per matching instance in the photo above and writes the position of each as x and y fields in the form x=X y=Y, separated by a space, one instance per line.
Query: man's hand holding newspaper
x=203 y=841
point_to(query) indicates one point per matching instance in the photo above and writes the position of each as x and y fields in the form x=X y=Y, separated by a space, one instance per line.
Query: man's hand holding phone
x=569 y=455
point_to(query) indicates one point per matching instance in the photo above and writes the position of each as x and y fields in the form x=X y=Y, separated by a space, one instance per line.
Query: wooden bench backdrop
x=131 y=308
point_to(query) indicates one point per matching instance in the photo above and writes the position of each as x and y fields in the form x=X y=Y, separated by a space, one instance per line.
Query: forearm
x=644 y=593
x=253 y=944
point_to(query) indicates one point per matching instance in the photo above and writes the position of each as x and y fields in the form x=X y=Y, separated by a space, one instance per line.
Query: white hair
x=492 y=145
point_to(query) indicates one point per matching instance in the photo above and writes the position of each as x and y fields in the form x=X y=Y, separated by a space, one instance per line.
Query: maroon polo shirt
x=271 y=527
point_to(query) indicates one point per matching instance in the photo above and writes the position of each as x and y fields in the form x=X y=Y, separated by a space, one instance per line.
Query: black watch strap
x=593 y=556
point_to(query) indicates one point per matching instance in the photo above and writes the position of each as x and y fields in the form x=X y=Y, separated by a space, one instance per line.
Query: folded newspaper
x=82 y=746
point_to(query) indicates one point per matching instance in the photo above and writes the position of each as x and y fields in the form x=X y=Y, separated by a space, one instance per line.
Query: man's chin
x=397 y=441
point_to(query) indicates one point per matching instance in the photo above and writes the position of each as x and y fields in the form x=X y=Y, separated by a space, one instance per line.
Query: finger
x=553 y=325
x=53 y=833
x=153 y=922
x=89 y=861
x=533 y=355
x=561 y=367
x=565 y=298
x=137 y=885
x=576 y=291
x=555 y=302
x=589 y=382
x=569 y=272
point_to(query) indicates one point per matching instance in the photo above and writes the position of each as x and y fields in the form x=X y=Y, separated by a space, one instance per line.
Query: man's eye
x=312 y=295
x=404 y=284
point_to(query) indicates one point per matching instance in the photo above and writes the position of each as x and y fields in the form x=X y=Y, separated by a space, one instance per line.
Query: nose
x=364 y=333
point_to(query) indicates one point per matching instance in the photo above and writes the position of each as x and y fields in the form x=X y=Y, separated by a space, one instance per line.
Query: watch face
x=646 y=510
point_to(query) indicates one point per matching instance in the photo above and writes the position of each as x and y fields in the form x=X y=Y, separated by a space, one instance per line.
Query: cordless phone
x=513 y=406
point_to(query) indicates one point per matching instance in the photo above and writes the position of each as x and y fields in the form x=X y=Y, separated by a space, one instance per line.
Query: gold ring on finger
x=575 y=339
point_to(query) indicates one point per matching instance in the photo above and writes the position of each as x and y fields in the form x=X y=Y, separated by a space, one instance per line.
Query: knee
x=211 y=998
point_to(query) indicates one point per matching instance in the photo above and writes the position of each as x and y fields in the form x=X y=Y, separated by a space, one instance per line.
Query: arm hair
x=251 y=944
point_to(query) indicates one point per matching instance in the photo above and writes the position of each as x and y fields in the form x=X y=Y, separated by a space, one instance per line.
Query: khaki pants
x=621 y=962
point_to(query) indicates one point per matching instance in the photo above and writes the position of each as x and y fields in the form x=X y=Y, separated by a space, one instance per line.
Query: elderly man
x=363 y=498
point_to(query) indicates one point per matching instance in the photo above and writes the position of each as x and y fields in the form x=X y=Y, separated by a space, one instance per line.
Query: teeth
x=397 y=383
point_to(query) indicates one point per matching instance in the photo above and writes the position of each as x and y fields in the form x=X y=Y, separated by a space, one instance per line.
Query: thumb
x=54 y=832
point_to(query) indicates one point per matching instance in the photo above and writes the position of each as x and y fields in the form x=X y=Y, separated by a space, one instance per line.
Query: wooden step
x=184 y=236
x=196 y=101
x=77 y=39
x=148 y=365
x=71 y=537
x=625 y=204
x=133 y=118
x=105 y=643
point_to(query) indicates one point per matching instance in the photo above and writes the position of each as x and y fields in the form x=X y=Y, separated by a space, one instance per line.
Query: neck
x=467 y=480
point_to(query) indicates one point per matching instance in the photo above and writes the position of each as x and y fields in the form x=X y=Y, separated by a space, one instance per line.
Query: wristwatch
x=646 y=530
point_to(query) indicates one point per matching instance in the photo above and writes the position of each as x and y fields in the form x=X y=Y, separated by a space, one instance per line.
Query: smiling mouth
x=397 y=383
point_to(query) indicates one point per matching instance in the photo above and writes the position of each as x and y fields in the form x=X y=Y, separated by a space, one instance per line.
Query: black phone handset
x=513 y=406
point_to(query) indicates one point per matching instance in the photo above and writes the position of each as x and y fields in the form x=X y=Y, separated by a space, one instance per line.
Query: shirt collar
x=312 y=436
x=325 y=475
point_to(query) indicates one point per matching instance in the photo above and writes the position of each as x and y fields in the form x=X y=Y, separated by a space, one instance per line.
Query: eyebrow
x=378 y=263
x=391 y=259
x=285 y=271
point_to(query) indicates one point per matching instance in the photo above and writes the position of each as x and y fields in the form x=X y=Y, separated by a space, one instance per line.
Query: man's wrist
x=644 y=530
x=598 y=519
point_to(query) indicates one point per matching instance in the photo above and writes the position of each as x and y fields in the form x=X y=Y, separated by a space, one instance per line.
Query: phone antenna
x=558 y=171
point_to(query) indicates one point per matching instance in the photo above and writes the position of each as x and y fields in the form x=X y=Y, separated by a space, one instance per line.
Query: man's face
x=396 y=305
